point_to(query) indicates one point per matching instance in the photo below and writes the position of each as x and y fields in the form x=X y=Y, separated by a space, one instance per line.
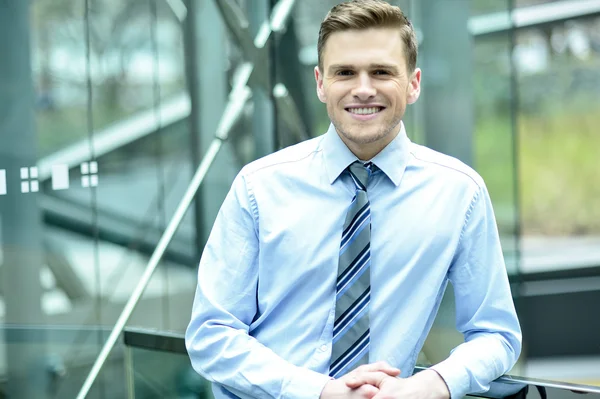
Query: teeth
x=365 y=111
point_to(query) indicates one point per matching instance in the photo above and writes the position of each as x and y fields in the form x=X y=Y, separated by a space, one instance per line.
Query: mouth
x=364 y=113
x=365 y=110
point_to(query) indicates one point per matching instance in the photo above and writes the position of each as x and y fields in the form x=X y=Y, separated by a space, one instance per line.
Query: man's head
x=367 y=72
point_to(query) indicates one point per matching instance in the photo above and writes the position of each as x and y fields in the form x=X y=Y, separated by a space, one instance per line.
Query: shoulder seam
x=250 y=184
x=316 y=150
x=446 y=166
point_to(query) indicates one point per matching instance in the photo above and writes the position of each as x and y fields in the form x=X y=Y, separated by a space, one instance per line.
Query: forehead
x=365 y=46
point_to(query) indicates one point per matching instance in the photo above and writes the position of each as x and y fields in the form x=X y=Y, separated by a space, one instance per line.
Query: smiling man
x=328 y=260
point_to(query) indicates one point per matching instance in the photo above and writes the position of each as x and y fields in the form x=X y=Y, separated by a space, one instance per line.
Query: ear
x=319 y=80
x=414 y=87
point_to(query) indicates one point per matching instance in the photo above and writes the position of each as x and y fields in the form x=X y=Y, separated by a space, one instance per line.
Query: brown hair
x=365 y=14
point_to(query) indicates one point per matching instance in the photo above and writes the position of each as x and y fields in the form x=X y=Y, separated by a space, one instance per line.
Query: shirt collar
x=391 y=160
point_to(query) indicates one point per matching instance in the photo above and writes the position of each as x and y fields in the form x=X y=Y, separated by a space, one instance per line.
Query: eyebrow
x=337 y=67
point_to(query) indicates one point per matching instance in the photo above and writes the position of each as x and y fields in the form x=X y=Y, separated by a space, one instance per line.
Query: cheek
x=397 y=93
x=335 y=95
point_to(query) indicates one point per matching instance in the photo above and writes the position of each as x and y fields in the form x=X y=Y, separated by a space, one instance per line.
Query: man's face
x=366 y=86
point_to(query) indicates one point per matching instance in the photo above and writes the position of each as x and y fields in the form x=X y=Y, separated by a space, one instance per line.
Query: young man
x=328 y=260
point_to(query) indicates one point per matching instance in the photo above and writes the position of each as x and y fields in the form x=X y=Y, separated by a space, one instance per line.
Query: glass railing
x=59 y=358
x=157 y=366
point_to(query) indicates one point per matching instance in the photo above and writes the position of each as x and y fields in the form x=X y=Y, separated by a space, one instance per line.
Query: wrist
x=433 y=383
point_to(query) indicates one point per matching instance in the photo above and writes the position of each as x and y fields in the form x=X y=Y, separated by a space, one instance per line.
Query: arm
x=485 y=314
x=217 y=338
x=485 y=311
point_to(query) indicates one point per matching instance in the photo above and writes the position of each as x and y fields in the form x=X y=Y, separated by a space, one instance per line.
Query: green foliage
x=560 y=182
x=558 y=169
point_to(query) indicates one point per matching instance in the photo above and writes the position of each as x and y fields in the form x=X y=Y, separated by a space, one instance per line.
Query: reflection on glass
x=122 y=61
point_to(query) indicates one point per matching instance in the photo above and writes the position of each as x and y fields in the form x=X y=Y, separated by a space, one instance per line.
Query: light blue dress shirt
x=263 y=313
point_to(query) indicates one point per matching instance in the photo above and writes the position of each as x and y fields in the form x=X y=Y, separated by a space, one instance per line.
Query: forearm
x=241 y=364
x=217 y=338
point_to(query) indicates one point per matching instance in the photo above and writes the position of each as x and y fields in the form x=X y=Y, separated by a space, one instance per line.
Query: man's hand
x=425 y=385
x=339 y=389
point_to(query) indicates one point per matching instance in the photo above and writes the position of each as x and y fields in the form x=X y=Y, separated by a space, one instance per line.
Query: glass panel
x=99 y=140
x=165 y=375
x=92 y=167
x=559 y=81
x=494 y=137
x=63 y=358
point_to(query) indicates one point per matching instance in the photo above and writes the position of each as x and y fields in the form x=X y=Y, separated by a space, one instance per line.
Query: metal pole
x=151 y=267
x=263 y=119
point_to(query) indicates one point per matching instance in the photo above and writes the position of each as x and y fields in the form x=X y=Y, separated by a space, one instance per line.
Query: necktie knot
x=360 y=173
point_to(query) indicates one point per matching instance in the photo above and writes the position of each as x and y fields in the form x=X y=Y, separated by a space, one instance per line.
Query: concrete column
x=446 y=60
x=20 y=217
x=206 y=69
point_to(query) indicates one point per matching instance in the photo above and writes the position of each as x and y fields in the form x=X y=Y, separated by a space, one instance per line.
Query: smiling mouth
x=365 y=111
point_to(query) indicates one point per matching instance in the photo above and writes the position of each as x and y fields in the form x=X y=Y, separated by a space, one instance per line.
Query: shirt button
x=323 y=348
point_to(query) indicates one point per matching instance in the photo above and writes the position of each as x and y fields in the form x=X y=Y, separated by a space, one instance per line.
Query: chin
x=359 y=136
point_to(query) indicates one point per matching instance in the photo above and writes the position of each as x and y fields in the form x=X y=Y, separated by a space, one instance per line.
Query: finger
x=380 y=366
x=367 y=391
x=374 y=378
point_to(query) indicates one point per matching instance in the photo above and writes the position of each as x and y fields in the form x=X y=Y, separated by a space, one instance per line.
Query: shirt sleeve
x=217 y=338
x=485 y=312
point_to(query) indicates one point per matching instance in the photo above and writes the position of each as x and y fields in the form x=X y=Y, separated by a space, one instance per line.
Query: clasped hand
x=379 y=381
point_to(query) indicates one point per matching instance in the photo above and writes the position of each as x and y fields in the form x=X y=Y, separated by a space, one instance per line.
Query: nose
x=364 y=89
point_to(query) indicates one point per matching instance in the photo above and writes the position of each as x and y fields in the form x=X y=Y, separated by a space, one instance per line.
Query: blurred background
x=108 y=108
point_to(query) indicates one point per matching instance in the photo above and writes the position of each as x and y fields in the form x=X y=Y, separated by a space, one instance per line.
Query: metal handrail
x=238 y=97
x=502 y=387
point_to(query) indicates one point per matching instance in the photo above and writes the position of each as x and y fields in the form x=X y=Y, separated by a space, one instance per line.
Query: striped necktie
x=353 y=288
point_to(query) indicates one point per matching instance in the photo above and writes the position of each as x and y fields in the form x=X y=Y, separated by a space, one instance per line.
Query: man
x=328 y=260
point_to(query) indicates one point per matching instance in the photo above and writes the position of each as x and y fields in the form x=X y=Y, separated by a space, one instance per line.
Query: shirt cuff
x=455 y=376
x=305 y=384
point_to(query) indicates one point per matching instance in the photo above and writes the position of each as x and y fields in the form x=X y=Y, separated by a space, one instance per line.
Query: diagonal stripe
x=355 y=234
x=345 y=269
x=356 y=229
x=350 y=296
x=362 y=357
x=351 y=316
x=341 y=318
x=355 y=274
x=359 y=185
x=352 y=251
x=351 y=353
x=350 y=226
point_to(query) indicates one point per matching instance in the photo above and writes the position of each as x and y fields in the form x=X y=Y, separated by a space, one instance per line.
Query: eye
x=344 y=72
x=381 y=72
